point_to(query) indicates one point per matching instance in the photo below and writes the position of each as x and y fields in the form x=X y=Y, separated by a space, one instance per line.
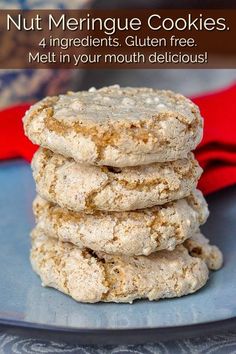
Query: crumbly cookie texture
x=198 y=246
x=130 y=233
x=91 y=277
x=116 y=126
x=84 y=187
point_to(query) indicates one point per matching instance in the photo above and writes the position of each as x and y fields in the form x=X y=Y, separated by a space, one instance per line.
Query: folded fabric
x=219 y=112
x=13 y=142
x=216 y=153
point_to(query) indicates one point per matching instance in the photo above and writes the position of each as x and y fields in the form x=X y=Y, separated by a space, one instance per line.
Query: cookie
x=139 y=232
x=198 y=246
x=85 y=187
x=116 y=126
x=91 y=277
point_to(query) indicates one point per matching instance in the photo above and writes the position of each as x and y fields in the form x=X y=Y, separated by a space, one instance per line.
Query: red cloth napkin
x=13 y=142
x=216 y=153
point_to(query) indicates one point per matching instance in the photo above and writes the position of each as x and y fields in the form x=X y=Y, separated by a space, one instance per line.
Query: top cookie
x=116 y=126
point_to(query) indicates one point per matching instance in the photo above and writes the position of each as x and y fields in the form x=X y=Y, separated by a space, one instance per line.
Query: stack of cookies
x=117 y=210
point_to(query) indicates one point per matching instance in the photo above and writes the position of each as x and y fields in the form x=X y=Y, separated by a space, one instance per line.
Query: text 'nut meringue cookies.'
x=86 y=188
x=91 y=277
x=116 y=126
x=138 y=232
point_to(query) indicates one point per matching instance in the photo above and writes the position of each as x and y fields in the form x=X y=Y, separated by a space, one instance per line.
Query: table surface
x=224 y=343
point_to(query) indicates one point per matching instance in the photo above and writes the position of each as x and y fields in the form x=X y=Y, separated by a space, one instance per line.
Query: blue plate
x=25 y=305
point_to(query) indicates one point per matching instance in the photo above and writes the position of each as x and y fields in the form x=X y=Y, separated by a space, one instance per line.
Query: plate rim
x=114 y=336
x=34 y=325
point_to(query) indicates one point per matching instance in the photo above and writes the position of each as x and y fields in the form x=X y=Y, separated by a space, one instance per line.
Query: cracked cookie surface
x=139 y=232
x=116 y=126
x=87 y=188
x=89 y=276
